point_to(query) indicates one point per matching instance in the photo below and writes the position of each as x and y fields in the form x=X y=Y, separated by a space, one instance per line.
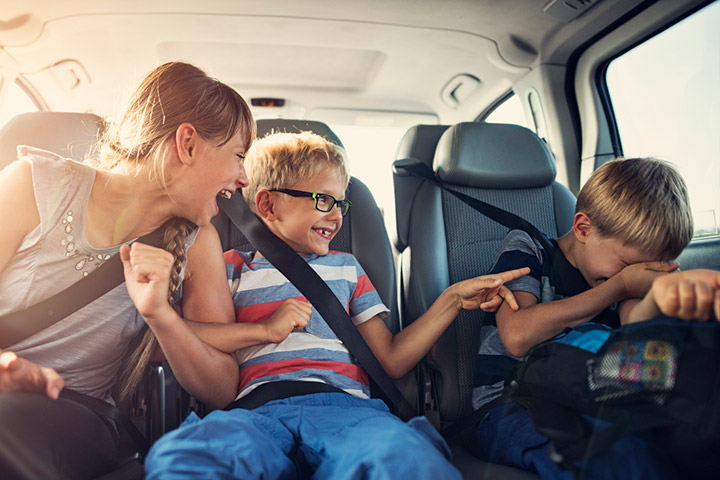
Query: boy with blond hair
x=632 y=219
x=321 y=419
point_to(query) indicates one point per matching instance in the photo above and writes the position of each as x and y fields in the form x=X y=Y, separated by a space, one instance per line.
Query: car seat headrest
x=493 y=155
x=265 y=126
x=419 y=142
x=68 y=134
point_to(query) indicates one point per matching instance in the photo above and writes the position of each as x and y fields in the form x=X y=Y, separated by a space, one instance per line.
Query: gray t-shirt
x=87 y=347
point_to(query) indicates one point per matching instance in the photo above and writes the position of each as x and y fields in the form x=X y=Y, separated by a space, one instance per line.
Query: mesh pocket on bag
x=626 y=369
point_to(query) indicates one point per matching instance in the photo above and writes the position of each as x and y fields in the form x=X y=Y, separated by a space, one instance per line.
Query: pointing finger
x=507 y=294
x=492 y=305
x=513 y=274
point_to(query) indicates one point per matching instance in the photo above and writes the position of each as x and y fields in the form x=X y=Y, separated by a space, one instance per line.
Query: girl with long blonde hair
x=179 y=142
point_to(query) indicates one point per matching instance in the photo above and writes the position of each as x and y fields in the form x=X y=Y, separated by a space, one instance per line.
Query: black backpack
x=659 y=379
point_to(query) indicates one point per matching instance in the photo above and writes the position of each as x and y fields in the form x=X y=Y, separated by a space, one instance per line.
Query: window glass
x=15 y=102
x=370 y=153
x=509 y=111
x=666 y=101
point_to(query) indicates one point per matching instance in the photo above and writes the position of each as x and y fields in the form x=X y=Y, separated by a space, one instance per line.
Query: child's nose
x=242 y=179
x=335 y=213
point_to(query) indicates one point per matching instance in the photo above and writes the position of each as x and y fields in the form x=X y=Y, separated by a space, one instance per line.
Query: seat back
x=363 y=232
x=445 y=241
x=68 y=134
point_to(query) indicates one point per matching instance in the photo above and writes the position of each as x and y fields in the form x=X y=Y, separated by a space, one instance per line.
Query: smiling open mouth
x=225 y=193
x=324 y=232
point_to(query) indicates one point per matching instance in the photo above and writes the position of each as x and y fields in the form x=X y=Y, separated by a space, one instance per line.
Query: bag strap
x=314 y=288
x=22 y=324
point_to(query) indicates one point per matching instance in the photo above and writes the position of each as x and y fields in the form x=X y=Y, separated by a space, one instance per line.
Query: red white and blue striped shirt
x=314 y=354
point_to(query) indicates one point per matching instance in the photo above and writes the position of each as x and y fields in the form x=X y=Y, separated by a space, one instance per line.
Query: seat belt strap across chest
x=19 y=325
x=317 y=292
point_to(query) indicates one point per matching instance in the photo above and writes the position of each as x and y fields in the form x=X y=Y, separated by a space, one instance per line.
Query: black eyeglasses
x=323 y=201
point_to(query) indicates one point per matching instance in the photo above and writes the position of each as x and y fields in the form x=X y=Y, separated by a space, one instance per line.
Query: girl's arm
x=210 y=375
x=688 y=295
x=398 y=354
x=197 y=347
x=292 y=315
x=207 y=299
x=17 y=200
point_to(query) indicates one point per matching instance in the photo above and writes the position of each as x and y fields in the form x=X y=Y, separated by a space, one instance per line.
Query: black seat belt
x=22 y=324
x=314 y=288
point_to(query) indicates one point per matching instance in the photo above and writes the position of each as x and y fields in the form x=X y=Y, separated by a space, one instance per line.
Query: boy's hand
x=638 y=277
x=20 y=375
x=487 y=292
x=690 y=295
x=292 y=315
x=147 y=277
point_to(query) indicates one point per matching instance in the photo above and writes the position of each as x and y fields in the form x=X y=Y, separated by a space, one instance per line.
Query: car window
x=370 y=153
x=371 y=150
x=509 y=111
x=15 y=102
x=664 y=93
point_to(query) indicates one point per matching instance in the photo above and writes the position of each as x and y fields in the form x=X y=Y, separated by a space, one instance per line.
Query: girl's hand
x=292 y=315
x=487 y=292
x=147 y=276
x=688 y=295
x=20 y=375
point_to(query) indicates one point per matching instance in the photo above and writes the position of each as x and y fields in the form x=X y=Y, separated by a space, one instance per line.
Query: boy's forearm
x=519 y=331
x=412 y=343
x=230 y=337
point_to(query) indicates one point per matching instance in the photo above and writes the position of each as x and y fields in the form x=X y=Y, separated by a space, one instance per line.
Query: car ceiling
x=320 y=55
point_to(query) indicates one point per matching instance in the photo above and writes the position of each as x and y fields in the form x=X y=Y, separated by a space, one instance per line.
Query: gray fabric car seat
x=418 y=143
x=443 y=240
x=505 y=165
x=68 y=134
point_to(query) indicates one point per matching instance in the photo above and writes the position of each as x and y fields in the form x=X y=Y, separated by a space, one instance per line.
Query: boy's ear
x=265 y=205
x=582 y=226
x=186 y=143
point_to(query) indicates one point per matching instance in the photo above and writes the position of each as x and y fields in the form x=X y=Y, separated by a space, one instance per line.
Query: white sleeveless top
x=87 y=347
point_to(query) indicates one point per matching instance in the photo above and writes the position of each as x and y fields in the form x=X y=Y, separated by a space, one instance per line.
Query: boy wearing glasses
x=304 y=403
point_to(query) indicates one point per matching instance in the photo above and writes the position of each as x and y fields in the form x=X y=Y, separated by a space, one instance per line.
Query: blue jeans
x=506 y=435
x=334 y=435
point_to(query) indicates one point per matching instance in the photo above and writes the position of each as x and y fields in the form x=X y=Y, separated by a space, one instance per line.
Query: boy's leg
x=225 y=444
x=507 y=436
x=344 y=437
x=43 y=438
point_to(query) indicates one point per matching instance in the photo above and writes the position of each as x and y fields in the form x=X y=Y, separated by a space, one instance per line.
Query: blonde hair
x=281 y=160
x=642 y=202
x=168 y=96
